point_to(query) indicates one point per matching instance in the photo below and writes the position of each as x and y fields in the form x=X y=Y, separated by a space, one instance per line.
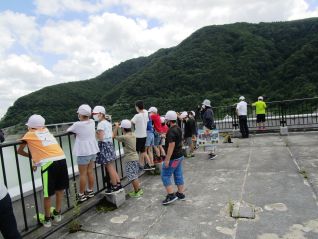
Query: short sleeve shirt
x=107 y=128
x=260 y=107
x=140 y=121
x=242 y=108
x=174 y=134
x=130 y=146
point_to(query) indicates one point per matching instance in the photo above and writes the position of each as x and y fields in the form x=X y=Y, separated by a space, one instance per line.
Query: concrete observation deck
x=276 y=174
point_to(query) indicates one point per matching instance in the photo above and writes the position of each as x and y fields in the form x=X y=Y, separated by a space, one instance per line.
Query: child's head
x=125 y=125
x=153 y=110
x=162 y=120
x=36 y=122
x=260 y=98
x=99 y=113
x=184 y=115
x=139 y=105
x=171 y=117
x=84 y=112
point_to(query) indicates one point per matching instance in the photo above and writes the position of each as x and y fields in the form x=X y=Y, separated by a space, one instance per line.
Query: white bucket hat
x=85 y=110
x=260 y=98
x=183 y=115
x=242 y=98
x=153 y=110
x=207 y=103
x=126 y=124
x=171 y=115
x=99 y=109
x=36 y=121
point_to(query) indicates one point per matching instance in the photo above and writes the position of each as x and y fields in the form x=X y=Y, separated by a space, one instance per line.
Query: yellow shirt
x=260 y=107
x=43 y=146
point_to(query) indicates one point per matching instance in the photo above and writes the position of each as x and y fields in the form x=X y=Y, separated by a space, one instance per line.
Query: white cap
x=36 y=121
x=126 y=124
x=193 y=113
x=206 y=102
x=183 y=114
x=85 y=110
x=99 y=109
x=260 y=98
x=162 y=119
x=242 y=98
x=171 y=115
x=153 y=110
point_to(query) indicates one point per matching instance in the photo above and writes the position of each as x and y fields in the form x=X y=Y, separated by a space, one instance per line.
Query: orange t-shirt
x=43 y=146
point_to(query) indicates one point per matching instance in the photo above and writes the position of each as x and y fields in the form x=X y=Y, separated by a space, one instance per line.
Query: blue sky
x=45 y=42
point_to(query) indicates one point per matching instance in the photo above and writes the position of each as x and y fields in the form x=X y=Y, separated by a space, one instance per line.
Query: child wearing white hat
x=47 y=154
x=131 y=156
x=85 y=149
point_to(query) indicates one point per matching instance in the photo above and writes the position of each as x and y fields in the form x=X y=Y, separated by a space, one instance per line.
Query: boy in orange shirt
x=48 y=154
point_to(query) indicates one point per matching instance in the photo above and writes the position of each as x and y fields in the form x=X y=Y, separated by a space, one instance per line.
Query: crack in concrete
x=106 y=234
x=158 y=219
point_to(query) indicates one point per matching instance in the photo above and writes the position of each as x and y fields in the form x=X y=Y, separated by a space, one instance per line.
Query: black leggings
x=8 y=224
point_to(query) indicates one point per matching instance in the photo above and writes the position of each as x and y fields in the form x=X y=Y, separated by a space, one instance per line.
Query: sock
x=47 y=218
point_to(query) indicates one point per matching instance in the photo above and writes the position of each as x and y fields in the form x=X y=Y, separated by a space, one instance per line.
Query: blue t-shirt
x=150 y=126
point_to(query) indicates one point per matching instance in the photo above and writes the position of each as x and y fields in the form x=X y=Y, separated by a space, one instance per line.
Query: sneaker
x=170 y=198
x=114 y=189
x=213 y=156
x=153 y=166
x=138 y=194
x=147 y=167
x=81 y=197
x=89 y=194
x=47 y=222
x=57 y=217
x=180 y=196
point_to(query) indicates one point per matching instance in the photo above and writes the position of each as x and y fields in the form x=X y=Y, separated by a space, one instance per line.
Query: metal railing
x=28 y=198
x=296 y=114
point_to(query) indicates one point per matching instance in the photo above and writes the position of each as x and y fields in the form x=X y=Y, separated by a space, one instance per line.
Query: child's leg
x=178 y=177
x=166 y=174
x=146 y=158
x=90 y=175
x=58 y=200
x=157 y=151
x=114 y=178
x=136 y=184
x=162 y=151
x=83 y=177
x=47 y=207
x=150 y=155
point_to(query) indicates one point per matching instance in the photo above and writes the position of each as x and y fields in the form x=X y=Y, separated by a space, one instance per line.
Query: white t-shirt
x=140 y=121
x=85 y=142
x=242 y=108
x=107 y=128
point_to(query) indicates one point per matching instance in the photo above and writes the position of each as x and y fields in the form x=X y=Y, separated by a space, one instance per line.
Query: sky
x=46 y=42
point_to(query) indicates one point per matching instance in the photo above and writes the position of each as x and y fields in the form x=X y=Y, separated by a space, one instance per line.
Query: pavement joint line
x=158 y=219
x=315 y=194
x=243 y=185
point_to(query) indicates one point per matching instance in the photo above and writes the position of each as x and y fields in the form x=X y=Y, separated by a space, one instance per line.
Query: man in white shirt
x=241 y=110
x=140 y=121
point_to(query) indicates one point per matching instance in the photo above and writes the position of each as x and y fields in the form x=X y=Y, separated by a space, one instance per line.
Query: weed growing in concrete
x=304 y=173
x=75 y=225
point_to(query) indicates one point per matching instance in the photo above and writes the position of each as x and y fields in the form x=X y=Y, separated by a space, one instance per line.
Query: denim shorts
x=157 y=139
x=84 y=160
x=175 y=169
x=150 y=141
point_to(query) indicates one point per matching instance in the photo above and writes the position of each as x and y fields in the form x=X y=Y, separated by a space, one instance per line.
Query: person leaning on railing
x=8 y=224
x=241 y=110
x=48 y=154
x=260 y=106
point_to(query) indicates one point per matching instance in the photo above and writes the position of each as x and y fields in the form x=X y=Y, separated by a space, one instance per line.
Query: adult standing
x=8 y=224
x=260 y=106
x=207 y=117
x=241 y=110
x=140 y=120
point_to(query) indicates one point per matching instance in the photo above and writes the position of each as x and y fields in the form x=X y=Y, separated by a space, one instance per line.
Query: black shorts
x=54 y=177
x=141 y=145
x=260 y=118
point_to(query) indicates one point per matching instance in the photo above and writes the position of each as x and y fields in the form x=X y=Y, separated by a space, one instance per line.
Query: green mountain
x=278 y=60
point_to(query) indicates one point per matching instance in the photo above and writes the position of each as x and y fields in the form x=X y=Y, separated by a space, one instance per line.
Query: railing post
x=283 y=114
x=234 y=117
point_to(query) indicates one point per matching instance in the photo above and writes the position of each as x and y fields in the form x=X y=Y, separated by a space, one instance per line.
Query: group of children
x=151 y=133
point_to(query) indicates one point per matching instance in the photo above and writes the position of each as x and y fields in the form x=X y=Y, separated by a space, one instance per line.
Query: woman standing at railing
x=85 y=149
x=106 y=153
x=8 y=224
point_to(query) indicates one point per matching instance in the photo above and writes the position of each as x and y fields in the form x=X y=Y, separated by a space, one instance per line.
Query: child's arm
x=115 y=131
x=169 y=153
x=100 y=135
x=21 y=150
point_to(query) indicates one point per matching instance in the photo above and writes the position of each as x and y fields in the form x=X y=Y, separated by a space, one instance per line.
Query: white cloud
x=83 y=48
x=21 y=75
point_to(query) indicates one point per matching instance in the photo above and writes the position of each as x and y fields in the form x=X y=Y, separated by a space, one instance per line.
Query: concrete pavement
x=262 y=170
